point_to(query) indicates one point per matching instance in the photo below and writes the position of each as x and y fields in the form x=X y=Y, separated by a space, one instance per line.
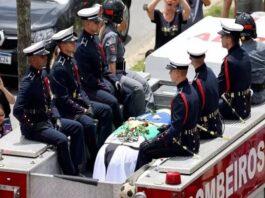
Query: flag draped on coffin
x=116 y=159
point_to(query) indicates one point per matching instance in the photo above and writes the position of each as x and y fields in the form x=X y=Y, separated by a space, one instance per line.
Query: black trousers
x=158 y=149
x=69 y=159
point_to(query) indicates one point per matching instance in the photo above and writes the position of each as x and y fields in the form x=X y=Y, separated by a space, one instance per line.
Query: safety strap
x=201 y=91
x=101 y=51
x=186 y=106
x=76 y=73
x=46 y=83
x=184 y=98
x=226 y=71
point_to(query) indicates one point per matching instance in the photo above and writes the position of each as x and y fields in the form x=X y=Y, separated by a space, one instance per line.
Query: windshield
x=57 y=1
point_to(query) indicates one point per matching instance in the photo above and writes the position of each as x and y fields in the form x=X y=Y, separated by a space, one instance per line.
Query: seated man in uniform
x=206 y=85
x=71 y=99
x=181 y=137
x=38 y=117
x=89 y=59
x=141 y=97
x=235 y=77
x=256 y=52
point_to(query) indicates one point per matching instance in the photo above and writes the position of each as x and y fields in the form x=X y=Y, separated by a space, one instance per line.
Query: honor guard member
x=88 y=56
x=181 y=136
x=206 y=85
x=114 y=50
x=39 y=119
x=71 y=100
x=235 y=77
x=256 y=52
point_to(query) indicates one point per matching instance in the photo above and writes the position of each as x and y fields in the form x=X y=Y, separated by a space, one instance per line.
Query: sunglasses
x=96 y=21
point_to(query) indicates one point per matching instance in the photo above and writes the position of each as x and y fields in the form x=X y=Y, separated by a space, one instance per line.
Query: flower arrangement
x=132 y=131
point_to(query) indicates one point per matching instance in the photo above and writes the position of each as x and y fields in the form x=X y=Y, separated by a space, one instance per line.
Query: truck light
x=173 y=178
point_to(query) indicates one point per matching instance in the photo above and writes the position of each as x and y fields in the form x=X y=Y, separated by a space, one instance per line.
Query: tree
x=24 y=33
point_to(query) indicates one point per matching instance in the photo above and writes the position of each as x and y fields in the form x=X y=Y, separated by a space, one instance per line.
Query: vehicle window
x=57 y=1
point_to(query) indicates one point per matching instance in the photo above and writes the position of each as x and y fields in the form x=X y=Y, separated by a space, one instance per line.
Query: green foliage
x=131 y=134
x=214 y=11
x=139 y=66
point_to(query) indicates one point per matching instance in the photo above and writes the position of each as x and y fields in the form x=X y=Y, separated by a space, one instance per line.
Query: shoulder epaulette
x=61 y=60
x=31 y=75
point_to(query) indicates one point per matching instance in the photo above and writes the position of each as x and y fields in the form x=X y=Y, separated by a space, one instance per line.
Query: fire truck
x=229 y=166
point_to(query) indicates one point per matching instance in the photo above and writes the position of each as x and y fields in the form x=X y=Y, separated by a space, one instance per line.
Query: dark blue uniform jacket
x=178 y=110
x=71 y=100
x=34 y=104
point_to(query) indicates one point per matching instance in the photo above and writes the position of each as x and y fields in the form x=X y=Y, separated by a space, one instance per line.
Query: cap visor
x=97 y=19
x=70 y=39
x=222 y=33
x=42 y=52
x=45 y=52
x=74 y=38
x=169 y=67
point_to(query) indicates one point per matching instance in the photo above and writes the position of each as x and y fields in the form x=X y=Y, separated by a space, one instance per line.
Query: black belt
x=37 y=111
x=34 y=111
x=239 y=93
x=209 y=116
x=190 y=131
x=258 y=87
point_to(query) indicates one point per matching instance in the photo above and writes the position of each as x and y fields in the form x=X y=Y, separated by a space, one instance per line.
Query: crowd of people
x=89 y=92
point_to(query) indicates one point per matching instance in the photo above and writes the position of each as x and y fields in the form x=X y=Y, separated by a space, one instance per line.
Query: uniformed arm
x=177 y=117
x=89 y=80
x=55 y=112
x=85 y=69
x=151 y=9
x=85 y=97
x=84 y=101
x=206 y=2
x=221 y=81
x=110 y=46
x=61 y=92
x=186 y=10
x=22 y=100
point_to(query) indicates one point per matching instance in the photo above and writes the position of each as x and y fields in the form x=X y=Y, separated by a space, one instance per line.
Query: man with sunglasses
x=89 y=58
x=142 y=98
